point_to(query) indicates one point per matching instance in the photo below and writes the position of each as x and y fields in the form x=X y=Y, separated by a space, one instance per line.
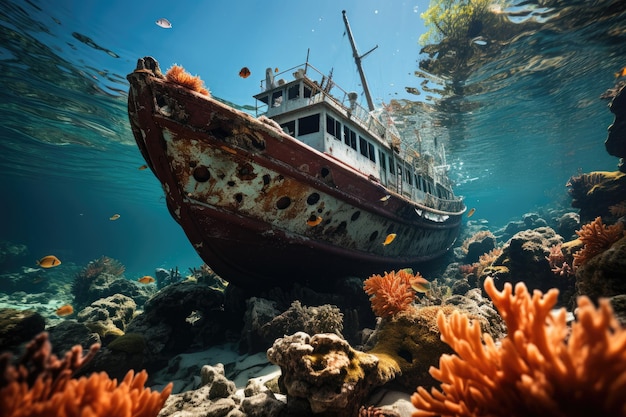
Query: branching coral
x=540 y=369
x=393 y=292
x=558 y=263
x=177 y=75
x=597 y=238
x=42 y=385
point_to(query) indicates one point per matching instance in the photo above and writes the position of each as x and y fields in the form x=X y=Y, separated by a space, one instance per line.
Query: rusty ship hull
x=261 y=207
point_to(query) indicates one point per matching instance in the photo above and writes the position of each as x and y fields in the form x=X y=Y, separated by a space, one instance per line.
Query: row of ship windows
x=311 y=124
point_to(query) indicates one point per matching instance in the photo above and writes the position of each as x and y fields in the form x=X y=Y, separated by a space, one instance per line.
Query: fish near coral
x=146 y=279
x=65 y=310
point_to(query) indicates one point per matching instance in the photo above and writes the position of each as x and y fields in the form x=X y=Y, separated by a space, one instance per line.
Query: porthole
x=374 y=235
x=324 y=172
x=266 y=179
x=201 y=173
x=355 y=215
x=283 y=202
x=312 y=199
x=238 y=198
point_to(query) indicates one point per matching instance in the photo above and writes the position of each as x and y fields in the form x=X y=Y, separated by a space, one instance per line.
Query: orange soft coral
x=597 y=238
x=393 y=292
x=42 y=385
x=541 y=367
x=177 y=74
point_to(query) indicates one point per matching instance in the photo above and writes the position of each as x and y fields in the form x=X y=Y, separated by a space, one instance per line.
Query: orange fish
x=146 y=279
x=390 y=237
x=244 y=72
x=141 y=168
x=314 y=220
x=276 y=69
x=621 y=73
x=471 y=212
x=115 y=217
x=65 y=310
x=49 y=261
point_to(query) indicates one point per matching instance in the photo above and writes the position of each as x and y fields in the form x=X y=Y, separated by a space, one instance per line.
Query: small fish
x=276 y=69
x=146 y=279
x=141 y=168
x=621 y=73
x=114 y=217
x=314 y=220
x=244 y=72
x=385 y=198
x=49 y=261
x=390 y=237
x=471 y=212
x=164 y=23
x=65 y=310
x=420 y=284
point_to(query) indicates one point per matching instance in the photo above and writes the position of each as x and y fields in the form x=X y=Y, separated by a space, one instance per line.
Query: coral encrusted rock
x=326 y=372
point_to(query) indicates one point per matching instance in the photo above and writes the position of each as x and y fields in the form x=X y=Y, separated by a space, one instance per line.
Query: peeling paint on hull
x=262 y=208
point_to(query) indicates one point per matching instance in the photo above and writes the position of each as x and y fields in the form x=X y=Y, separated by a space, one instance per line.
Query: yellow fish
x=49 y=261
x=385 y=198
x=471 y=212
x=141 y=168
x=390 y=237
x=621 y=73
x=314 y=220
x=115 y=217
x=420 y=284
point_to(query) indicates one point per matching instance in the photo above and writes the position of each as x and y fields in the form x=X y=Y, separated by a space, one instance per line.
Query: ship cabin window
x=366 y=149
x=293 y=92
x=363 y=146
x=383 y=160
x=308 y=124
x=277 y=98
x=392 y=167
x=349 y=137
x=409 y=176
x=289 y=127
x=307 y=91
x=333 y=127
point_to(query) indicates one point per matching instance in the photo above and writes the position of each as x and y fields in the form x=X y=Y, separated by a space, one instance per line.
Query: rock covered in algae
x=327 y=372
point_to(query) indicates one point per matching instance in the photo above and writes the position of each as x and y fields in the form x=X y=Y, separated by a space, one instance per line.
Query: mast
x=357 y=60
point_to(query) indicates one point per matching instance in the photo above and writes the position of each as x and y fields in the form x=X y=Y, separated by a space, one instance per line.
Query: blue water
x=68 y=160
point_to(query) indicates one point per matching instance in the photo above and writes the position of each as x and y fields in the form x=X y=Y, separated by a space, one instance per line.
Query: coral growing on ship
x=177 y=75
x=597 y=238
x=42 y=385
x=392 y=292
x=541 y=368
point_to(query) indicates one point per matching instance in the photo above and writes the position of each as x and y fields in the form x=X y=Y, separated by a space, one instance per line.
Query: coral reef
x=596 y=192
x=83 y=281
x=18 y=326
x=596 y=238
x=542 y=368
x=604 y=275
x=42 y=385
x=478 y=244
x=392 y=292
x=177 y=75
x=263 y=325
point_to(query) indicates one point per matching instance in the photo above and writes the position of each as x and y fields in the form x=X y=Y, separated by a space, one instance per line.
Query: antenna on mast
x=357 y=60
